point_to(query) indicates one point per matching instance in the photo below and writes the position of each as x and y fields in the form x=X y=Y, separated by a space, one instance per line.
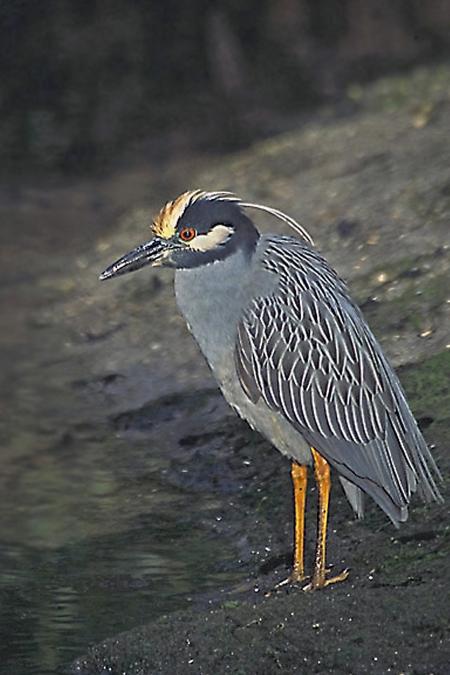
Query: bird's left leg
x=322 y=474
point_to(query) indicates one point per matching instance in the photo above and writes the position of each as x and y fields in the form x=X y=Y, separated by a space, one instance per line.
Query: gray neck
x=211 y=299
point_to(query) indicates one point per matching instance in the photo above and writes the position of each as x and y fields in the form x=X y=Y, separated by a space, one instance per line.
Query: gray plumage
x=295 y=357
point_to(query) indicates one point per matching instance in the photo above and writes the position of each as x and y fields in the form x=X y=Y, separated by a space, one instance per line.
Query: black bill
x=150 y=253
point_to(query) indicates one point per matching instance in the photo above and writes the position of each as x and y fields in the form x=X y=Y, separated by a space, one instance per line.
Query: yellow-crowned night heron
x=293 y=355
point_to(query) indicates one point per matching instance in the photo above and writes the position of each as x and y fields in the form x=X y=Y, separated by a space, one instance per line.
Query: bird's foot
x=321 y=580
x=295 y=577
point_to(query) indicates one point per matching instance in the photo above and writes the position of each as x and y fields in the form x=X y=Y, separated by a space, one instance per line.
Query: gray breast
x=212 y=299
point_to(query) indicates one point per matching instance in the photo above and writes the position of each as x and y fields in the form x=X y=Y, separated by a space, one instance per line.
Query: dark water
x=55 y=603
x=92 y=544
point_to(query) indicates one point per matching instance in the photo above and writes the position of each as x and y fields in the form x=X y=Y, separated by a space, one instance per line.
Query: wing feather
x=307 y=351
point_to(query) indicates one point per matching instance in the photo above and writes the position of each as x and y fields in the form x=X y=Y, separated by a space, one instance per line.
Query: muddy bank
x=392 y=615
x=333 y=633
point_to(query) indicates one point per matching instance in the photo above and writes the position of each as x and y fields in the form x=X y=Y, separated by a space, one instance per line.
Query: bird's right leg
x=299 y=476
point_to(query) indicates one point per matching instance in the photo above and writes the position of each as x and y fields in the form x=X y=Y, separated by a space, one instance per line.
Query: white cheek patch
x=218 y=235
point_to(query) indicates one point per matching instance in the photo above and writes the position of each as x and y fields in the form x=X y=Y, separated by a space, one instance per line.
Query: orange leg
x=299 y=476
x=322 y=474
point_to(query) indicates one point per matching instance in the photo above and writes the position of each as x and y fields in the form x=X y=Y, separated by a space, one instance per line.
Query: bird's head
x=197 y=228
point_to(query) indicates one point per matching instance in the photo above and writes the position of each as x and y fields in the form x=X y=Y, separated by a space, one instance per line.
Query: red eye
x=187 y=233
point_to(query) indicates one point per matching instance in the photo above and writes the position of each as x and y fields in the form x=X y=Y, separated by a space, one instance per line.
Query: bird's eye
x=187 y=233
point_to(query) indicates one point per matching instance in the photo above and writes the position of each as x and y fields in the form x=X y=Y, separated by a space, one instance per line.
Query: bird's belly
x=269 y=423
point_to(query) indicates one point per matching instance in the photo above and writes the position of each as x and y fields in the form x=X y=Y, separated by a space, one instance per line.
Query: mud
x=391 y=616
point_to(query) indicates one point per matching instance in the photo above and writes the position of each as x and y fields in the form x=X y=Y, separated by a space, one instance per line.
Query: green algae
x=427 y=385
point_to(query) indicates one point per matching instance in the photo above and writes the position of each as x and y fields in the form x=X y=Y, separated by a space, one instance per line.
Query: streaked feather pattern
x=308 y=352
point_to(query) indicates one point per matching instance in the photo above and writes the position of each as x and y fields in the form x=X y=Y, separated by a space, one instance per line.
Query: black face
x=207 y=231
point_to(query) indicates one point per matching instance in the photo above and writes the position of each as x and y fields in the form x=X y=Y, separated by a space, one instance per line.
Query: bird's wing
x=307 y=351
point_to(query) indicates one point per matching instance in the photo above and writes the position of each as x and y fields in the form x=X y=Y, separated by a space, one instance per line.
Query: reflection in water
x=55 y=602
x=95 y=536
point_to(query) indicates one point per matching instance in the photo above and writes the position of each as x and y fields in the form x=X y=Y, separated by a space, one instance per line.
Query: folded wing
x=307 y=351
